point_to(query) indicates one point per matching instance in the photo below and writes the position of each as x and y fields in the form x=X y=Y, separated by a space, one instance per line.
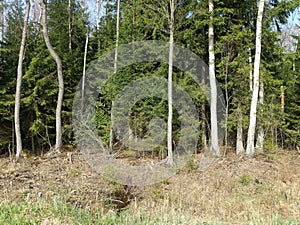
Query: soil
x=229 y=188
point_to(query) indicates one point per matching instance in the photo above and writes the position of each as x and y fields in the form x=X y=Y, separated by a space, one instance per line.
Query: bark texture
x=58 y=141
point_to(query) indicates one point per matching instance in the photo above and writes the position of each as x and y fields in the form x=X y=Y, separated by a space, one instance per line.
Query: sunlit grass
x=58 y=212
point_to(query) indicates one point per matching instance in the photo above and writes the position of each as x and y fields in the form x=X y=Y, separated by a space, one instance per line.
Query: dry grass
x=235 y=190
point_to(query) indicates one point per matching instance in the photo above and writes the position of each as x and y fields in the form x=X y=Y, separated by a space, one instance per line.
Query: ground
x=63 y=189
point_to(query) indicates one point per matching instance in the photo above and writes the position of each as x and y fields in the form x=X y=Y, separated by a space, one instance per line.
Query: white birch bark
x=251 y=72
x=117 y=36
x=254 y=100
x=282 y=98
x=97 y=14
x=84 y=68
x=111 y=139
x=239 y=133
x=214 y=144
x=98 y=6
x=227 y=105
x=82 y=4
x=203 y=136
x=170 y=89
x=2 y=19
x=260 y=129
x=19 y=82
x=58 y=141
x=70 y=23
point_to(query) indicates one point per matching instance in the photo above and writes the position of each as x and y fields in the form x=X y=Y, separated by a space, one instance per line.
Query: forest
x=234 y=25
x=248 y=48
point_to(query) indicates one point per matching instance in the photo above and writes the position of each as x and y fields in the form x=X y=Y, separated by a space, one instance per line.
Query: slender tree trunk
x=106 y=12
x=84 y=69
x=170 y=84
x=97 y=21
x=251 y=72
x=203 y=137
x=282 y=101
x=239 y=134
x=70 y=24
x=97 y=14
x=111 y=140
x=253 y=110
x=227 y=105
x=82 y=4
x=260 y=129
x=54 y=55
x=2 y=19
x=214 y=142
x=117 y=36
x=12 y=134
x=19 y=82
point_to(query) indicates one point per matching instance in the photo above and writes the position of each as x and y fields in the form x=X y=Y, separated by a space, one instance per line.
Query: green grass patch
x=59 y=212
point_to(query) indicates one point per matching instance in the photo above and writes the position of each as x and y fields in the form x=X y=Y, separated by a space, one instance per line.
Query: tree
x=57 y=59
x=260 y=129
x=19 y=82
x=253 y=109
x=214 y=142
x=115 y=66
x=9 y=48
x=70 y=23
x=170 y=89
x=84 y=68
x=2 y=13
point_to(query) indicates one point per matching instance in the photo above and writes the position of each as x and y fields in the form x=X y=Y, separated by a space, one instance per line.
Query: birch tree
x=117 y=36
x=70 y=23
x=214 y=144
x=19 y=82
x=254 y=100
x=2 y=19
x=115 y=67
x=170 y=90
x=239 y=133
x=84 y=68
x=58 y=141
x=250 y=72
x=98 y=7
x=260 y=129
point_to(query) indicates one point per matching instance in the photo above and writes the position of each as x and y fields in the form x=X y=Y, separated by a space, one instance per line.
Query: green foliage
x=234 y=23
x=246 y=179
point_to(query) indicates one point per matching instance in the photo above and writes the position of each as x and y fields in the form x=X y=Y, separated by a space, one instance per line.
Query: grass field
x=232 y=190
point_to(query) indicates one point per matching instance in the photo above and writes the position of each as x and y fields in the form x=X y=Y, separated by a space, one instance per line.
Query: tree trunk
x=54 y=55
x=170 y=83
x=82 y=4
x=97 y=14
x=19 y=83
x=84 y=69
x=251 y=72
x=282 y=102
x=2 y=19
x=227 y=105
x=117 y=36
x=260 y=129
x=70 y=24
x=98 y=7
x=214 y=142
x=253 y=110
x=203 y=137
x=239 y=134
x=111 y=140
x=111 y=132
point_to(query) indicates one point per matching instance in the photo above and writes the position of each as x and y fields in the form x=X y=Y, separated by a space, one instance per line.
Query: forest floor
x=63 y=189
